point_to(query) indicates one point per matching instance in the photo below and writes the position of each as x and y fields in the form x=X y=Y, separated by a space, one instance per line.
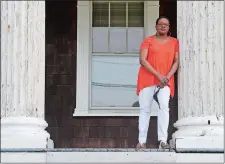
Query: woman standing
x=159 y=62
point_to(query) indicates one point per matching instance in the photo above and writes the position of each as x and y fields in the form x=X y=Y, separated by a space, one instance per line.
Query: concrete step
x=79 y=155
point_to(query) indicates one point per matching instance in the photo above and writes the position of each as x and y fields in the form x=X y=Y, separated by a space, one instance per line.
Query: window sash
x=112 y=15
x=118 y=14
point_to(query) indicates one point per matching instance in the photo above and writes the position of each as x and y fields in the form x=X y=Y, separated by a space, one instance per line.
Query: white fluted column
x=201 y=75
x=23 y=74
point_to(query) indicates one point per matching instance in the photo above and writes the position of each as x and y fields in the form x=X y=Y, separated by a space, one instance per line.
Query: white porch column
x=23 y=74
x=201 y=75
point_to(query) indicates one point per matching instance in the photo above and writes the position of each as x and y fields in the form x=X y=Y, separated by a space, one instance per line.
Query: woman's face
x=163 y=26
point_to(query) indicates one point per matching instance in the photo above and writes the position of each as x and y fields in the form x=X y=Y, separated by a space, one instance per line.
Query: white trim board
x=110 y=112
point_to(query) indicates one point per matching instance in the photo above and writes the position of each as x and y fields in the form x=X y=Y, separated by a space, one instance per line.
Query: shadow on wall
x=136 y=104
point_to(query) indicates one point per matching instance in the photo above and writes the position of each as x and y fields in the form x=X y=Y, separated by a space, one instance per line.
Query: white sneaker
x=163 y=145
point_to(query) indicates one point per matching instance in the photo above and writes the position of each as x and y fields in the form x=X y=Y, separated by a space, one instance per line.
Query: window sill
x=110 y=112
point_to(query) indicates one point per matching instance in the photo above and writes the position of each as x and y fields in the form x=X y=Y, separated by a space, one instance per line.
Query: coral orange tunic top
x=161 y=57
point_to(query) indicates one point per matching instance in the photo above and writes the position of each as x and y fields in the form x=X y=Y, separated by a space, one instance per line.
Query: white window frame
x=84 y=56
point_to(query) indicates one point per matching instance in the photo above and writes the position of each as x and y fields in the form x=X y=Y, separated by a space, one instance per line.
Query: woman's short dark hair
x=161 y=17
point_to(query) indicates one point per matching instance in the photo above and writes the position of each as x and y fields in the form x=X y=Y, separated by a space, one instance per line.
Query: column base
x=24 y=132
x=199 y=134
x=50 y=144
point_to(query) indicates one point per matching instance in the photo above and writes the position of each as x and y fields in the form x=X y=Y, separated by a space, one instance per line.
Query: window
x=106 y=81
x=117 y=27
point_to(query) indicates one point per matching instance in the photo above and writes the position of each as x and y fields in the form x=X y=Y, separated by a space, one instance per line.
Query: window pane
x=117 y=14
x=100 y=15
x=136 y=14
x=117 y=40
x=100 y=41
x=135 y=36
x=114 y=81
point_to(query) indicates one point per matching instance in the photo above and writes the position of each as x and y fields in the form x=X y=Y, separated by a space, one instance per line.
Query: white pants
x=145 y=101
